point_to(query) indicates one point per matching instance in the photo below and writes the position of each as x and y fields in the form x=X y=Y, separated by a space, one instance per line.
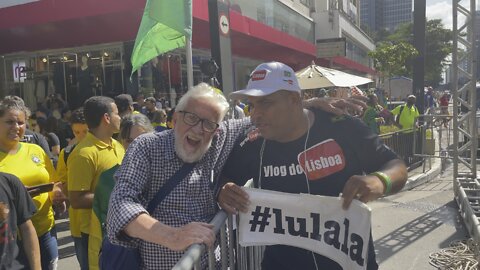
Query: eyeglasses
x=192 y=119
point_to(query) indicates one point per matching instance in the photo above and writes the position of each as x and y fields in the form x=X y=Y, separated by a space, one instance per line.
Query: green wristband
x=385 y=180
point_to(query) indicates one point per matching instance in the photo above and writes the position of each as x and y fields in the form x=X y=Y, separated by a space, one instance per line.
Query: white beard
x=194 y=156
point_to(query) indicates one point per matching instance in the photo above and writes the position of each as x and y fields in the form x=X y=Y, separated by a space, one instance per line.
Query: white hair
x=205 y=92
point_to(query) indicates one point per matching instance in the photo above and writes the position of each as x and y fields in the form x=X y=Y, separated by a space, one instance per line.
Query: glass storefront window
x=277 y=15
x=73 y=74
x=76 y=74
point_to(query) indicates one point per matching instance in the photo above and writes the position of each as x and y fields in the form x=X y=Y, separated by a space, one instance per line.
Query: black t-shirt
x=52 y=140
x=14 y=198
x=38 y=139
x=337 y=148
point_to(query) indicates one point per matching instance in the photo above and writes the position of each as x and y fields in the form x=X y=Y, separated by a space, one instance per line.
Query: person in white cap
x=364 y=167
x=407 y=114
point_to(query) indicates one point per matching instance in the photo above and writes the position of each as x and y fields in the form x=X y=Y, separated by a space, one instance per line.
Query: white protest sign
x=312 y=222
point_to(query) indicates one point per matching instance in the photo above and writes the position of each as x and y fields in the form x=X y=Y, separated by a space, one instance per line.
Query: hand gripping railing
x=191 y=259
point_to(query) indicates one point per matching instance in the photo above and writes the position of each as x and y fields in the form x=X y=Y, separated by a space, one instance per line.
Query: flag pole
x=189 y=55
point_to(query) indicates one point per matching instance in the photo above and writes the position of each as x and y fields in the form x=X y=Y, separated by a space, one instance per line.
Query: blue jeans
x=49 y=250
x=81 y=249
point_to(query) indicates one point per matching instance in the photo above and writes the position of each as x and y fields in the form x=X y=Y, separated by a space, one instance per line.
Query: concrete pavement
x=421 y=219
x=66 y=250
x=407 y=227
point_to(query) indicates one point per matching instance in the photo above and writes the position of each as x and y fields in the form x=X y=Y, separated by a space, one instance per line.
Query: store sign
x=19 y=68
x=330 y=47
x=11 y=3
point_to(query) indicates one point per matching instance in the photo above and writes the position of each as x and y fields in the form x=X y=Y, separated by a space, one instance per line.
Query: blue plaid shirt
x=149 y=162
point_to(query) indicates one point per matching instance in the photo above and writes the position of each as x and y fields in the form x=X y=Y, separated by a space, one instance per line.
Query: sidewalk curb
x=421 y=178
x=418 y=179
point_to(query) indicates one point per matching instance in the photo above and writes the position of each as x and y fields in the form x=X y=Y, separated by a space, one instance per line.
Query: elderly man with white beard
x=199 y=139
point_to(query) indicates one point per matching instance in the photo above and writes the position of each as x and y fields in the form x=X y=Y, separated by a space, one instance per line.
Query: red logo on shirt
x=322 y=159
x=258 y=75
x=253 y=135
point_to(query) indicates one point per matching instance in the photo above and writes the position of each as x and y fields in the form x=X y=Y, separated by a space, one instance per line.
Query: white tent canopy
x=315 y=76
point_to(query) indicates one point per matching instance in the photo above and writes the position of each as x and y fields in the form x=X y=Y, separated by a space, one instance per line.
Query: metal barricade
x=227 y=255
x=438 y=140
x=402 y=142
x=222 y=257
x=433 y=139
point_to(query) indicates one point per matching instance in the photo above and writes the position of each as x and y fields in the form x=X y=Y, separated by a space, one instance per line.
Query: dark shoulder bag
x=116 y=257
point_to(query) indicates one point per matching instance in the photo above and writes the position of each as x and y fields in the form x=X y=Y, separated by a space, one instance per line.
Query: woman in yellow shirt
x=33 y=167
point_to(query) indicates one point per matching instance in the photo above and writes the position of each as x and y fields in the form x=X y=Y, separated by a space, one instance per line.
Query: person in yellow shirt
x=131 y=127
x=407 y=114
x=95 y=154
x=159 y=120
x=80 y=129
x=33 y=167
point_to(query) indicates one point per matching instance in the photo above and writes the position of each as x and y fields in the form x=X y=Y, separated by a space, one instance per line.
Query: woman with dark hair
x=33 y=167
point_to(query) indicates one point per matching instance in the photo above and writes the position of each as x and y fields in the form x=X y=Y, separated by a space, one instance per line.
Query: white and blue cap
x=267 y=79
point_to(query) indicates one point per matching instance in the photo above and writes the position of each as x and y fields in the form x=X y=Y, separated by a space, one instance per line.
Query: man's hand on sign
x=193 y=233
x=364 y=188
x=353 y=106
x=233 y=198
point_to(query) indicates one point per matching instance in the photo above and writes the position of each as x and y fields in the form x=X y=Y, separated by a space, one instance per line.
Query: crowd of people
x=108 y=159
x=404 y=116
x=28 y=156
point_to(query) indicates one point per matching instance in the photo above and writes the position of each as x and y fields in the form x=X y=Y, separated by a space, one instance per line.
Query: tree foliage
x=438 y=45
x=392 y=59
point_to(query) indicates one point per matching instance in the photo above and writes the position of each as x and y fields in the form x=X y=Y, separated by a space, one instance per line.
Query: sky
x=442 y=9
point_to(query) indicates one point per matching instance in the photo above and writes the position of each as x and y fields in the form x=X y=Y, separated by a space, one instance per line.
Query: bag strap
x=397 y=120
x=401 y=110
x=169 y=186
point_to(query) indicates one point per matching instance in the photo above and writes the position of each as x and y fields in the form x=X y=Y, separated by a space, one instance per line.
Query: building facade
x=81 y=48
x=377 y=15
x=340 y=21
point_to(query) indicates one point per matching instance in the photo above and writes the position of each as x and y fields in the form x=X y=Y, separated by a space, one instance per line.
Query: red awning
x=52 y=24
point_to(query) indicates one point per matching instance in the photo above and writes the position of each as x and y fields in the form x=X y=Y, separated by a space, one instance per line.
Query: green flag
x=164 y=27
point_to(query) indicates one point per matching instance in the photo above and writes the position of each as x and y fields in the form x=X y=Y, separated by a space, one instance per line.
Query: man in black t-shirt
x=16 y=209
x=296 y=150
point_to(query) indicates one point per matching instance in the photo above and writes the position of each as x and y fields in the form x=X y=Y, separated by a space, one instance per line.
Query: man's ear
x=106 y=118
